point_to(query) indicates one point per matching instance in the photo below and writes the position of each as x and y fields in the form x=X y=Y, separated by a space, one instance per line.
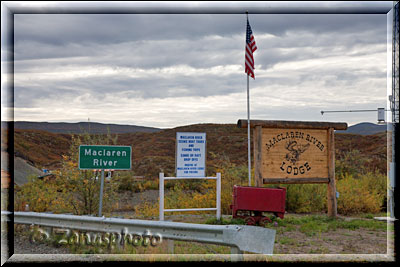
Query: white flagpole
x=248 y=128
x=248 y=118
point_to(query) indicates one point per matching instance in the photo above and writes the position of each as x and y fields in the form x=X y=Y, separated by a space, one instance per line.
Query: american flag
x=250 y=48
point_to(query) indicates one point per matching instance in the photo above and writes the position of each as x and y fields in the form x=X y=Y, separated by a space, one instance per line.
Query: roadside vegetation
x=69 y=190
x=360 y=180
x=361 y=189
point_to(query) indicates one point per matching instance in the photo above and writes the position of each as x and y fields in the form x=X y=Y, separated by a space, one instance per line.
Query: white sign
x=190 y=154
x=381 y=115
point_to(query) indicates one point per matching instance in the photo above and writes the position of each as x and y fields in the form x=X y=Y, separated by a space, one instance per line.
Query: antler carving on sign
x=295 y=150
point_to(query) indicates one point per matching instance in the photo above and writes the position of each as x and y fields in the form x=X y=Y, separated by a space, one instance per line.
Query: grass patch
x=313 y=227
x=320 y=250
x=372 y=215
x=368 y=216
x=286 y=241
x=290 y=228
x=184 y=247
x=313 y=224
x=360 y=223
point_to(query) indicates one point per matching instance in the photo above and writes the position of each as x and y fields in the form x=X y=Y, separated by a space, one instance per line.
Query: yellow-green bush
x=72 y=190
x=40 y=196
x=230 y=175
x=356 y=195
x=147 y=209
x=366 y=194
x=305 y=197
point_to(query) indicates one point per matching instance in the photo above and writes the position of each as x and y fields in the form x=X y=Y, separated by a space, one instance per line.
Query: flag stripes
x=250 y=48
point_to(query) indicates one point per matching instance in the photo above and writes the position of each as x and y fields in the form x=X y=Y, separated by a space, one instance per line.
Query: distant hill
x=365 y=128
x=81 y=127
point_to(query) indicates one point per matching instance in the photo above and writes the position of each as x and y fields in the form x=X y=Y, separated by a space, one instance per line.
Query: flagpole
x=248 y=129
x=248 y=118
x=250 y=44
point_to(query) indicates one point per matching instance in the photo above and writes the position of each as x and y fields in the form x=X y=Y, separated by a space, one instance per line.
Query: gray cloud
x=69 y=59
x=115 y=28
x=60 y=30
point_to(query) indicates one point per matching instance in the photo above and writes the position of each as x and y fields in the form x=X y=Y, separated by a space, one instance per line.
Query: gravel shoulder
x=22 y=245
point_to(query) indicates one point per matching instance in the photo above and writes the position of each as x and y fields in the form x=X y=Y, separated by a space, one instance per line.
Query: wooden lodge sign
x=288 y=152
x=294 y=153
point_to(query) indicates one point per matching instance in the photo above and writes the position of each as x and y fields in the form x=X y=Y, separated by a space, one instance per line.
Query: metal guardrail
x=239 y=237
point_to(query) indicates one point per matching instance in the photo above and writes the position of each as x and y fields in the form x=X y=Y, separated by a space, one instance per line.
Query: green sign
x=105 y=157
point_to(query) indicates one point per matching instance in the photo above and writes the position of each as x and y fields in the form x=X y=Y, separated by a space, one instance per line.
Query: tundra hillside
x=155 y=152
x=360 y=169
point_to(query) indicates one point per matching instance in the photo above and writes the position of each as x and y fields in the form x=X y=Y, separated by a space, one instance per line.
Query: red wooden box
x=250 y=202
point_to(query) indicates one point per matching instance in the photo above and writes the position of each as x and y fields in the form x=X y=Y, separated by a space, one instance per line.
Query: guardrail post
x=170 y=244
x=161 y=196
x=49 y=231
x=218 y=196
x=236 y=254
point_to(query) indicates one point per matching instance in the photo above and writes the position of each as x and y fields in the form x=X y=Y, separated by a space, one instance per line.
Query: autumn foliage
x=361 y=179
x=70 y=190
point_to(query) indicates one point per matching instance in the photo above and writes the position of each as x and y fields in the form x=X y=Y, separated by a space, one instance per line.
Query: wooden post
x=331 y=192
x=257 y=141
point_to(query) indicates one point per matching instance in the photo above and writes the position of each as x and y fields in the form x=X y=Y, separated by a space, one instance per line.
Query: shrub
x=366 y=194
x=305 y=197
x=125 y=181
x=73 y=190
x=350 y=163
x=147 y=209
x=49 y=199
x=231 y=175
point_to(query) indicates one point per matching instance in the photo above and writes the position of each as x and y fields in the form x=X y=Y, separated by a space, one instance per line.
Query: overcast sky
x=169 y=70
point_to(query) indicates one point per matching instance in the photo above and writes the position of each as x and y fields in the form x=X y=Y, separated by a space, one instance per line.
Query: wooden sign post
x=294 y=152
